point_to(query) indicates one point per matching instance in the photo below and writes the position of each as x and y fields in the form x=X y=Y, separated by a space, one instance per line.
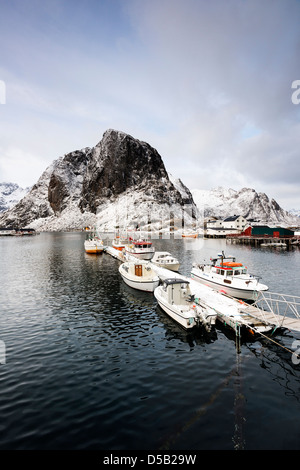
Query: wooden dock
x=268 y=313
x=285 y=242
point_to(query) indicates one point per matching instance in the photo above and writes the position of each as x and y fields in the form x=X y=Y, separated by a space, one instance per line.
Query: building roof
x=232 y=218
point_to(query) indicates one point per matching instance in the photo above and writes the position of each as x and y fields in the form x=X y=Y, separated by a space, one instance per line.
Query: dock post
x=237 y=338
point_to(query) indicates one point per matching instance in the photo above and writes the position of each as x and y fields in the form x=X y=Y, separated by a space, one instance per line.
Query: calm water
x=93 y=364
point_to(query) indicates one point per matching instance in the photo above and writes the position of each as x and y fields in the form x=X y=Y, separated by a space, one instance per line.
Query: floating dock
x=269 y=312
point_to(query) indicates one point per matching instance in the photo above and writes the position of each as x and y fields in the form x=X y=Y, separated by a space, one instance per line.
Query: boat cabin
x=229 y=269
x=177 y=291
x=226 y=266
x=142 y=244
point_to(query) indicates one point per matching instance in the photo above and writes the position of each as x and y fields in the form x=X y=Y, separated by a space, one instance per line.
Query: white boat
x=175 y=298
x=93 y=244
x=139 y=275
x=119 y=243
x=165 y=260
x=274 y=244
x=142 y=249
x=229 y=277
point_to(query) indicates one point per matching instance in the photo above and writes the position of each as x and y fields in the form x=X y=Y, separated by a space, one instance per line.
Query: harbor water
x=88 y=363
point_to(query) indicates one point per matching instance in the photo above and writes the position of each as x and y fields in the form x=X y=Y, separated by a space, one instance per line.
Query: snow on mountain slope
x=10 y=194
x=222 y=203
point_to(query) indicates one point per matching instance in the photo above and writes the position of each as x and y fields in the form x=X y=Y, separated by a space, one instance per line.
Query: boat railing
x=281 y=305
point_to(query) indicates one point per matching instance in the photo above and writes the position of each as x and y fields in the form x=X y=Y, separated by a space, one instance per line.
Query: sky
x=206 y=83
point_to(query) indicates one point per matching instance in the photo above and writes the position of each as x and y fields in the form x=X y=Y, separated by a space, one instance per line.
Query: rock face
x=120 y=163
x=88 y=186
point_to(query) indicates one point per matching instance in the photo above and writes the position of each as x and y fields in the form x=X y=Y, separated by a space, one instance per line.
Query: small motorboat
x=175 y=298
x=93 y=244
x=164 y=259
x=139 y=275
x=225 y=275
x=142 y=249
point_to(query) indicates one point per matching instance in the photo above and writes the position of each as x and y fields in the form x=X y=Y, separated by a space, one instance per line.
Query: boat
x=189 y=235
x=139 y=275
x=224 y=274
x=119 y=243
x=142 y=249
x=174 y=296
x=164 y=259
x=274 y=244
x=93 y=244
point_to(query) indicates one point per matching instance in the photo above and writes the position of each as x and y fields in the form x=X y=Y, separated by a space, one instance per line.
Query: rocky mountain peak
x=118 y=163
x=77 y=186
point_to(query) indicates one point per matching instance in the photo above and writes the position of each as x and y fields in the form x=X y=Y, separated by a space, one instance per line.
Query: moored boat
x=142 y=249
x=119 y=243
x=93 y=244
x=139 y=275
x=226 y=275
x=175 y=298
x=165 y=260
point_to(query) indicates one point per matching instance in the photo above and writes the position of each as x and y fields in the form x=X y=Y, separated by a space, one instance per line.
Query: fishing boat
x=142 y=249
x=176 y=299
x=165 y=260
x=139 y=275
x=224 y=274
x=119 y=243
x=93 y=244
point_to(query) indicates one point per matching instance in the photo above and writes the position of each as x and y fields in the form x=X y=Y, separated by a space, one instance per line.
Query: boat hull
x=239 y=293
x=93 y=248
x=119 y=248
x=145 y=255
x=139 y=282
x=172 y=267
x=185 y=319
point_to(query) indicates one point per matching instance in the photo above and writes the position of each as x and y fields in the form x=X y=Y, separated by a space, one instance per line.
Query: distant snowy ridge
x=222 y=203
x=10 y=194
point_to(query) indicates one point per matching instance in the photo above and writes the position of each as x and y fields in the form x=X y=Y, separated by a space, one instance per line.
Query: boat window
x=222 y=272
x=218 y=271
x=229 y=273
x=237 y=272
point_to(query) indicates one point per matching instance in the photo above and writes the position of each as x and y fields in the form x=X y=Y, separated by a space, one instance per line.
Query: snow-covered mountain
x=10 y=194
x=222 y=203
x=121 y=181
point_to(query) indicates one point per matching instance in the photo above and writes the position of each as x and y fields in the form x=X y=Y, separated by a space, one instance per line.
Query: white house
x=237 y=222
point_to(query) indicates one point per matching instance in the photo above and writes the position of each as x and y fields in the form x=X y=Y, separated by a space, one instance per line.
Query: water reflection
x=93 y=364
